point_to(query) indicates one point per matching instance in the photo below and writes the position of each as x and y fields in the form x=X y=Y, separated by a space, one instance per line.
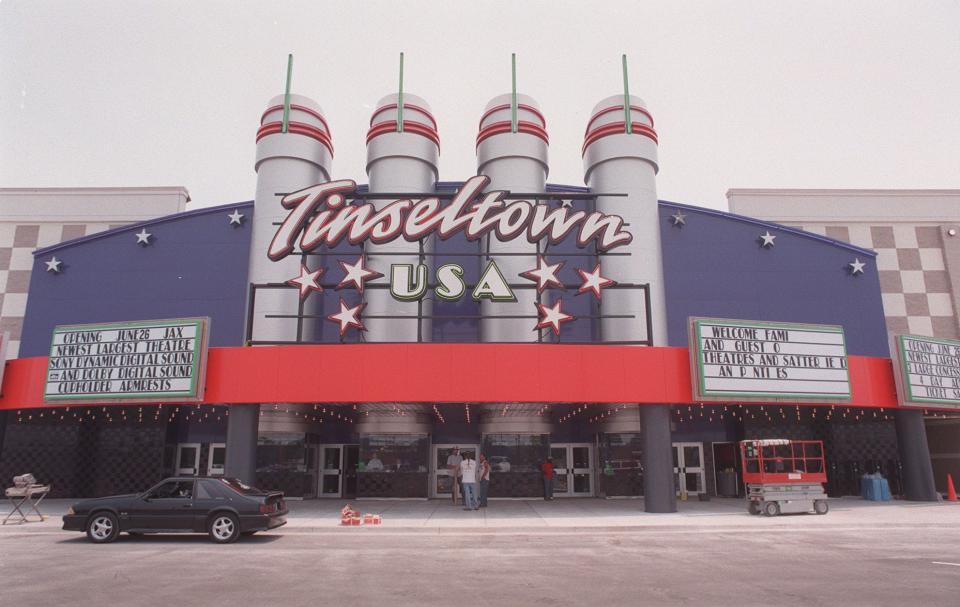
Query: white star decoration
x=357 y=273
x=767 y=239
x=552 y=316
x=307 y=281
x=143 y=237
x=593 y=281
x=236 y=218
x=679 y=219
x=566 y=204
x=53 y=265
x=347 y=317
x=856 y=266
x=544 y=274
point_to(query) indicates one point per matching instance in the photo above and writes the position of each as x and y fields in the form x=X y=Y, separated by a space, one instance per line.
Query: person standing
x=453 y=464
x=468 y=481
x=547 y=469
x=483 y=479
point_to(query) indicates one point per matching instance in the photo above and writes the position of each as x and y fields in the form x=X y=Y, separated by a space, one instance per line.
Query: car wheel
x=103 y=528
x=224 y=528
x=753 y=508
x=821 y=506
x=771 y=508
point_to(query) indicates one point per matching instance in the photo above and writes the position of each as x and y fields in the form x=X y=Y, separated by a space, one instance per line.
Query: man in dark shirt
x=547 y=469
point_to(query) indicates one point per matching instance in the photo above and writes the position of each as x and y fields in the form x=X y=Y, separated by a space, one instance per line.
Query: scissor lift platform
x=784 y=476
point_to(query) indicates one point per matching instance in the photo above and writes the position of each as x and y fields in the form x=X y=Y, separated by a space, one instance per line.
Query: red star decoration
x=357 y=273
x=544 y=274
x=347 y=317
x=594 y=281
x=308 y=281
x=552 y=316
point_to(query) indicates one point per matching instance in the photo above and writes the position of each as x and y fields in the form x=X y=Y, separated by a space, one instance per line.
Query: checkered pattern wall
x=17 y=243
x=914 y=281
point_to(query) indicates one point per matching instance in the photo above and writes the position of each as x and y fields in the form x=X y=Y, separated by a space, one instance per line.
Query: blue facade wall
x=714 y=266
x=195 y=265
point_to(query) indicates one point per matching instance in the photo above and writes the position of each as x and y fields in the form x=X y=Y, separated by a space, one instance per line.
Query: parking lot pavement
x=866 y=554
x=509 y=516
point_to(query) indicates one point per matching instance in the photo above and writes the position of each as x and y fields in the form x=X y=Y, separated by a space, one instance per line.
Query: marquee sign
x=927 y=370
x=331 y=213
x=768 y=361
x=128 y=361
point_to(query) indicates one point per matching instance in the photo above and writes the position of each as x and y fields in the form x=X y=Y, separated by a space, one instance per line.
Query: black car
x=224 y=508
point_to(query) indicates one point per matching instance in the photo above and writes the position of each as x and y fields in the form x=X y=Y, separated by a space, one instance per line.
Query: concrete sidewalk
x=574 y=515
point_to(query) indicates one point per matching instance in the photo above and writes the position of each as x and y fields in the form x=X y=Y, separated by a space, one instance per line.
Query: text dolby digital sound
x=322 y=215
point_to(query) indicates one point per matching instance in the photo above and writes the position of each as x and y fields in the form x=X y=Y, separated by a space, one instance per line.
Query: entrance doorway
x=441 y=478
x=188 y=459
x=572 y=469
x=338 y=471
x=688 y=468
x=216 y=459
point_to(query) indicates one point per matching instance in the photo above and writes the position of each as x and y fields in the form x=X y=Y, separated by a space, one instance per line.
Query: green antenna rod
x=286 y=94
x=400 y=99
x=626 y=98
x=513 y=101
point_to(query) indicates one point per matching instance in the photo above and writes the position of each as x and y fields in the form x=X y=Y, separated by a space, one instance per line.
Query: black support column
x=659 y=489
x=918 y=482
x=242 y=426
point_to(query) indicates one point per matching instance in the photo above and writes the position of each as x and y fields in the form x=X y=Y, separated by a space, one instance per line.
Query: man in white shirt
x=468 y=478
x=453 y=464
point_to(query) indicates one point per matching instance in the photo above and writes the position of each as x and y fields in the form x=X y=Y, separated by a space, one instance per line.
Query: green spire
x=626 y=98
x=400 y=99
x=286 y=94
x=513 y=100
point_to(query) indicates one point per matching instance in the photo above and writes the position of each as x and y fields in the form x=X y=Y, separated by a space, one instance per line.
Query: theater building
x=337 y=338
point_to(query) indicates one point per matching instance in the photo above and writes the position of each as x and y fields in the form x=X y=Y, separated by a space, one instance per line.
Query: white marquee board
x=137 y=361
x=927 y=371
x=768 y=361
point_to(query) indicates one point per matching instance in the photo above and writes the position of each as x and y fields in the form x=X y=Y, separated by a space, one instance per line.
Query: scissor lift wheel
x=771 y=508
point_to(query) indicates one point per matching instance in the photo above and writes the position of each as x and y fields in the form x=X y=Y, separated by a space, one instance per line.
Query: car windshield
x=240 y=487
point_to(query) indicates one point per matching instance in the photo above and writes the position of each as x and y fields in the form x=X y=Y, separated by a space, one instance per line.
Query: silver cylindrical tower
x=285 y=162
x=403 y=162
x=622 y=159
x=517 y=162
x=618 y=162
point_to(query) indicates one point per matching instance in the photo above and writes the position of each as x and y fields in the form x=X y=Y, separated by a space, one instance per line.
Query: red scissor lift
x=784 y=476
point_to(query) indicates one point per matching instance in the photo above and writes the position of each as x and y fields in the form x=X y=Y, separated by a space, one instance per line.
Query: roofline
x=141 y=224
x=770 y=225
x=99 y=190
x=839 y=191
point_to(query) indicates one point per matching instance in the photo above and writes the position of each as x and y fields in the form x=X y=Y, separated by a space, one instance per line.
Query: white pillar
x=285 y=162
x=399 y=162
x=516 y=162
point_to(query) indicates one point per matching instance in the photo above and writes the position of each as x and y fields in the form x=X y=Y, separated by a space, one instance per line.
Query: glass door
x=688 y=468
x=572 y=469
x=217 y=459
x=188 y=459
x=338 y=471
x=442 y=478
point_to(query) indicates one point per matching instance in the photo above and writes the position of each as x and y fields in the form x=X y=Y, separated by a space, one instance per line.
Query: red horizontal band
x=617 y=128
x=498 y=128
x=408 y=127
x=618 y=108
x=450 y=373
x=520 y=106
x=299 y=128
x=301 y=108
x=406 y=106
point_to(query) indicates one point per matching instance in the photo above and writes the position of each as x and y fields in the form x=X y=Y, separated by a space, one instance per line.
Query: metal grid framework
x=783 y=461
x=483 y=252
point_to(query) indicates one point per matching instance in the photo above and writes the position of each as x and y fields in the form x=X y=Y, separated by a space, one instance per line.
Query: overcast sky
x=744 y=94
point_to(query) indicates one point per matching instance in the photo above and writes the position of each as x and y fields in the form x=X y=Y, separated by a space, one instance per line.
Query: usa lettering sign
x=128 y=361
x=768 y=361
x=332 y=213
x=928 y=371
